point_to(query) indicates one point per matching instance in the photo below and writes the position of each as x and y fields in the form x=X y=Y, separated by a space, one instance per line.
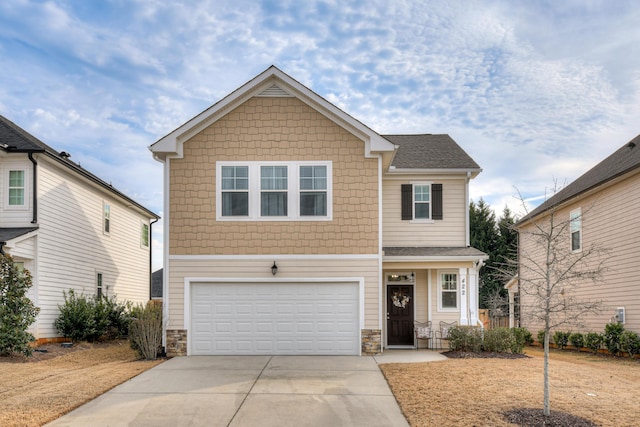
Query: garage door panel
x=267 y=318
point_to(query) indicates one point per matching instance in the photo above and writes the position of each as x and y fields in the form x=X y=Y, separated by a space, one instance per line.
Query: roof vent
x=274 y=91
x=631 y=144
x=64 y=155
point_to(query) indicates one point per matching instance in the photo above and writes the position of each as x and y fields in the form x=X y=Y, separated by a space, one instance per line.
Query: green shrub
x=577 y=340
x=593 y=341
x=630 y=343
x=145 y=330
x=611 y=337
x=522 y=338
x=465 y=338
x=561 y=339
x=541 y=337
x=17 y=311
x=91 y=318
x=499 y=340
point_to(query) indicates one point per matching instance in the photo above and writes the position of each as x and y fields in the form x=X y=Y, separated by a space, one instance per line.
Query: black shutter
x=436 y=209
x=407 y=201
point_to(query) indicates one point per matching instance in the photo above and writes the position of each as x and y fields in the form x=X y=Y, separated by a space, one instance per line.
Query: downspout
x=466 y=216
x=35 y=188
x=2 y=248
x=151 y=256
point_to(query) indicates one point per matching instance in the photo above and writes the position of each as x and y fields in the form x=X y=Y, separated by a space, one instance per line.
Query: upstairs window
x=421 y=201
x=16 y=188
x=235 y=191
x=106 y=216
x=313 y=190
x=576 y=229
x=144 y=236
x=273 y=191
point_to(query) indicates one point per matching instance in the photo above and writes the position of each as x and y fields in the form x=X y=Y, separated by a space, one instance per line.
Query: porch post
x=464 y=307
x=473 y=296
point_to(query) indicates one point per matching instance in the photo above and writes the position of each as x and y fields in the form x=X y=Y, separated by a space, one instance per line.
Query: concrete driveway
x=248 y=391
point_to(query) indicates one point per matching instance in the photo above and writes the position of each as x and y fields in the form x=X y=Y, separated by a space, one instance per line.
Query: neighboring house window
x=274 y=191
x=144 y=238
x=16 y=188
x=313 y=190
x=106 y=215
x=422 y=201
x=448 y=290
x=576 y=229
x=235 y=191
x=99 y=291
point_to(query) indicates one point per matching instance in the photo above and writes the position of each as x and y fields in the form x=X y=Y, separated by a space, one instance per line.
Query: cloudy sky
x=534 y=91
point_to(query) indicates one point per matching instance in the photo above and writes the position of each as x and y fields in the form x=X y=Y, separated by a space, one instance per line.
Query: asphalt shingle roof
x=624 y=160
x=428 y=151
x=7 y=234
x=465 y=251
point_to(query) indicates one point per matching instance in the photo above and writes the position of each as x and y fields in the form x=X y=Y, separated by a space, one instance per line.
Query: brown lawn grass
x=38 y=390
x=475 y=392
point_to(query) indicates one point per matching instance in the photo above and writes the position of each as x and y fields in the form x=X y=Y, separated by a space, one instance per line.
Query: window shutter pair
x=436 y=201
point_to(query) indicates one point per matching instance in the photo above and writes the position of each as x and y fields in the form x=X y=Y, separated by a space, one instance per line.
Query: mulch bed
x=482 y=355
x=531 y=417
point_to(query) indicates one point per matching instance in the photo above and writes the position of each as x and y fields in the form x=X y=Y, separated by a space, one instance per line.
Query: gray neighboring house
x=156 y=284
x=69 y=228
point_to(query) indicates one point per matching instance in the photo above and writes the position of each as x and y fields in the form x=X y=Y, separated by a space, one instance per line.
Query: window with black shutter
x=422 y=201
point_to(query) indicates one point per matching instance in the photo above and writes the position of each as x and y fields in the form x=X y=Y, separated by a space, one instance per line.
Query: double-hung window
x=144 y=236
x=422 y=202
x=235 y=190
x=16 y=187
x=313 y=190
x=575 y=223
x=274 y=191
x=106 y=217
x=448 y=290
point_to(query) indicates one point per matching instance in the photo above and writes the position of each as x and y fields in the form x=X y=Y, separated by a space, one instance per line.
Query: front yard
x=455 y=392
x=475 y=392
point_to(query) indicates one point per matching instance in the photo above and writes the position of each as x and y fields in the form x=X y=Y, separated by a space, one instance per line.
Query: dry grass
x=42 y=389
x=475 y=392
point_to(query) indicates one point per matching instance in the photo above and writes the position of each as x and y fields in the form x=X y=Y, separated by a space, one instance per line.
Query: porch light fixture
x=274 y=268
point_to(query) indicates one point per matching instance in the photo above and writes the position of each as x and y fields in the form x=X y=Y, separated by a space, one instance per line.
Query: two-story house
x=69 y=228
x=293 y=228
x=598 y=210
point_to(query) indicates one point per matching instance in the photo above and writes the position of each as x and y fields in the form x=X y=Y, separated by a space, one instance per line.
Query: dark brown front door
x=399 y=315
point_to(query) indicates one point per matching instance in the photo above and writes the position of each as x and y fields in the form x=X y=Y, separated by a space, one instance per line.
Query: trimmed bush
x=611 y=337
x=91 y=318
x=145 y=330
x=540 y=337
x=630 y=343
x=499 y=340
x=465 y=338
x=577 y=340
x=561 y=339
x=17 y=311
x=522 y=338
x=593 y=341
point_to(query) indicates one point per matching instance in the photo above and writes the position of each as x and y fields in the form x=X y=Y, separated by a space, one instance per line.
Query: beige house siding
x=450 y=231
x=273 y=129
x=288 y=268
x=608 y=219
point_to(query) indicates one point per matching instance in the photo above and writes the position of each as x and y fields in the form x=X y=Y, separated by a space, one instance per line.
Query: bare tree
x=550 y=273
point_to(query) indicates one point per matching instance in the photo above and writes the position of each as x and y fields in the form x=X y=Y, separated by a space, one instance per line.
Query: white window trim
x=440 y=290
x=415 y=220
x=142 y=245
x=100 y=288
x=578 y=218
x=293 y=191
x=104 y=219
x=25 y=201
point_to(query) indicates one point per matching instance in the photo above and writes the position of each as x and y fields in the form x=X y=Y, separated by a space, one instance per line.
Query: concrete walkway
x=240 y=391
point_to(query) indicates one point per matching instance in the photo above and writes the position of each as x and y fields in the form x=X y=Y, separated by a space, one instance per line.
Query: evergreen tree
x=484 y=236
x=17 y=311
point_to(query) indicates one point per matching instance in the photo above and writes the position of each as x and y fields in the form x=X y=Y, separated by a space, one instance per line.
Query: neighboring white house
x=69 y=228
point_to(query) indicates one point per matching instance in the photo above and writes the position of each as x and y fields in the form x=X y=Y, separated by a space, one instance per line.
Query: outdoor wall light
x=274 y=268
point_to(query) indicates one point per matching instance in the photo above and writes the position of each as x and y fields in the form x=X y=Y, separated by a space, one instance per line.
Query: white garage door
x=274 y=318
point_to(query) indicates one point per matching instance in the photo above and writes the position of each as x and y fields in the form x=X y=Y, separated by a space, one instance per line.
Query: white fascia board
x=434 y=258
x=16 y=240
x=405 y=171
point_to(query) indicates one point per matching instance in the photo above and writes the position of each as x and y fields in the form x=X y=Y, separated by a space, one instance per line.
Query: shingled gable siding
x=273 y=129
x=436 y=202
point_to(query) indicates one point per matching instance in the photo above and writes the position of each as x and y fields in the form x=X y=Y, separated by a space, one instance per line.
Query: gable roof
x=623 y=161
x=430 y=152
x=271 y=82
x=14 y=139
